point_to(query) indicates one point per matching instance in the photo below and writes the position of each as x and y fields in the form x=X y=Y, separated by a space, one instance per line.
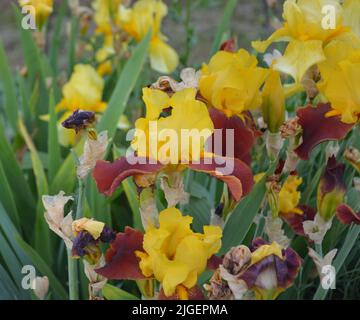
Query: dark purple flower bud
x=79 y=120
x=107 y=235
x=81 y=242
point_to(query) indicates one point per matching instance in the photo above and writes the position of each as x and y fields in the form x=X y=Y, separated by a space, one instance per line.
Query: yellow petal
x=92 y=226
x=352 y=15
x=299 y=57
x=163 y=58
x=265 y=251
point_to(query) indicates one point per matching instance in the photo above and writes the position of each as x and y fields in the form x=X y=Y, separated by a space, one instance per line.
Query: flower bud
x=40 y=286
x=273 y=105
x=331 y=189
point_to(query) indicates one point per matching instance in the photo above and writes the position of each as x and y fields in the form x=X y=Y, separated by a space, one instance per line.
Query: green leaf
x=7 y=198
x=21 y=192
x=351 y=239
x=11 y=233
x=223 y=25
x=131 y=195
x=30 y=50
x=242 y=217
x=54 y=159
x=56 y=38
x=72 y=44
x=8 y=290
x=41 y=181
x=124 y=86
x=43 y=268
x=13 y=264
x=41 y=228
x=114 y=293
x=10 y=103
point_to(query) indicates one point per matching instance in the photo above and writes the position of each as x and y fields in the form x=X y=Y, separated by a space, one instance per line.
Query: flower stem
x=73 y=277
x=80 y=196
x=318 y=249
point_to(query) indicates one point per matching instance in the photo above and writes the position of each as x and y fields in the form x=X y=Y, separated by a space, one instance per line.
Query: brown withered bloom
x=352 y=155
x=218 y=289
x=290 y=128
x=79 y=120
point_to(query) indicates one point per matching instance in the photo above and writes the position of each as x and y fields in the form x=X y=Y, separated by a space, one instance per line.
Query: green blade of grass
x=53 y=142
x=242 y=217
x=30 y=50
x=56 y=38
x=10 y=259
x=350 y=240
x=114 y=293
x=11 y=233
x=131 y=195
x=41 y=181
x=21 y=191
x=44 y=269
x=8 y=290
x=10 y=103
x=7 y=198
x=223 y=25
x=41 y=231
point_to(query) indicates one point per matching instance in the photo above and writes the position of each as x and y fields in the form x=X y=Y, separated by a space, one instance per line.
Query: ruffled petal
x=108 y=176
x=244 y=135
x=235 y=173
x=347 y=215
x=318 y=128
x=121 y=261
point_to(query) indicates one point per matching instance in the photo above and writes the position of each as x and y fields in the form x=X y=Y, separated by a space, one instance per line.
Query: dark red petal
x=333 y=177
x=228 y=45
x=121 y=261
x=108 y=176
x=244 y=134
x=194 y=293
x=239 y=181
x=347 y=215
x=214 y=262
x=317 y=128
x=295 y=221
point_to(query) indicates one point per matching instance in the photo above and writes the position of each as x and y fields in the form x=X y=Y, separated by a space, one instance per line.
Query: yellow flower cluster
x=327 y=38
x=174 y=254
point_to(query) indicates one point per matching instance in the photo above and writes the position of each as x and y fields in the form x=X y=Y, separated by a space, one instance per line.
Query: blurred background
x=190 y=25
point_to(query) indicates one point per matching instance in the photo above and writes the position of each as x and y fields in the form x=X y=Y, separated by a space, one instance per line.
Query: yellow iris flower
x=92 y=226
x=231 y=82
x=304 y=30
x=352 y=15
x=174 y=254
x=341 y=83
x=43 y=8
x=171 y=115
x=289 y=197
x=146 y=15
x=106 y=15
x=83 y=91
